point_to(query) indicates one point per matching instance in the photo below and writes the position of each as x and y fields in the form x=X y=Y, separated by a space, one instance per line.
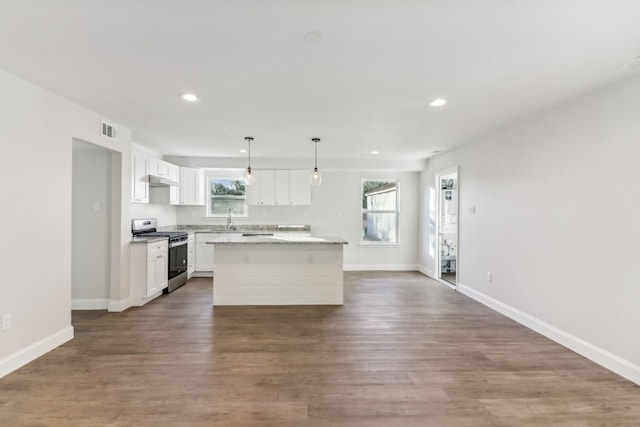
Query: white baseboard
x=120 y=305
x=31 y=352
x=380 y=267
x=89 y=304
x=592 y=352
x=202 y=274
x=427 y=272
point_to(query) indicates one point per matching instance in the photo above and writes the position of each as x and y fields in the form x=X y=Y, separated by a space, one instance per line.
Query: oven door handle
x=175 y=244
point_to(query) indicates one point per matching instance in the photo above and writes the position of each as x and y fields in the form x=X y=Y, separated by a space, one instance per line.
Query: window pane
x=227 y=194
x=221 y=205
x=227 y=187
x=379 y=227
x=379 y=195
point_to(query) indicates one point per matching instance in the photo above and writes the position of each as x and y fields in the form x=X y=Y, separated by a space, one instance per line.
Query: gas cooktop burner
x=149 y=228
x=165 y=234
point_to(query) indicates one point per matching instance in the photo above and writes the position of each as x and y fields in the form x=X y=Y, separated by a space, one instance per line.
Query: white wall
x=91 y=228
x=37 y=132
x=556 y=199
x=336 y=211
x=166 y=214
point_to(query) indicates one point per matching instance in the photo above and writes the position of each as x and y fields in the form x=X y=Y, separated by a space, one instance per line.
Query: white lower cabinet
x=204 y=253
x=149 y=270
x=191 y=255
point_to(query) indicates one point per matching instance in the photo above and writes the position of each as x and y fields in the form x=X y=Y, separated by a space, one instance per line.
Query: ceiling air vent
x=108 y=131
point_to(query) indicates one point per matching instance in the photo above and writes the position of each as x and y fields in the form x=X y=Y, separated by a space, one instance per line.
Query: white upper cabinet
x=299 y=187
x=281 y=187
x=254 y=194
x=139 y=177
x=163 y=169
x=191 y=186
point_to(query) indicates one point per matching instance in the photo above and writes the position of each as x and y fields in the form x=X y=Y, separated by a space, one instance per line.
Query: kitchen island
x=287 y=269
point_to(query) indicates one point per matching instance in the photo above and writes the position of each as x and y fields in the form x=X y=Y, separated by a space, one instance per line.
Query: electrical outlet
x=6 y=322
x=489 y=277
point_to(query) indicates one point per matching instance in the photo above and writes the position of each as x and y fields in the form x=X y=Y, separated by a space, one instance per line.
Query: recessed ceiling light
x=313 y=37
x=189 y=97
x=242 y=150
x=374 y=152
x=438 y=102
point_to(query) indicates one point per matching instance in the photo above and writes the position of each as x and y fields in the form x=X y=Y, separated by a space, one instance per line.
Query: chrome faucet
x=229 y=223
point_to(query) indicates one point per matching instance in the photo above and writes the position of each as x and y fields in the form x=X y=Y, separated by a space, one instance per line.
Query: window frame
x=221 y=175
x=396 y=212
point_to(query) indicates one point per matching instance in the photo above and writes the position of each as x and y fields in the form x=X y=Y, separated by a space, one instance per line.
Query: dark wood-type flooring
x=404 y=350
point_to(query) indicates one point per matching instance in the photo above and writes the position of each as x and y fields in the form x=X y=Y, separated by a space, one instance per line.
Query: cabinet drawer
x=157 y=248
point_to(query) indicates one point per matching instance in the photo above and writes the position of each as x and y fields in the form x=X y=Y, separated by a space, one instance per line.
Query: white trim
x=438 y=266
x=31 y=352
x=380 y=267
x=426 y=271
x=202 y=274
x=89 y=304
x=592 y=352
x=120 y=305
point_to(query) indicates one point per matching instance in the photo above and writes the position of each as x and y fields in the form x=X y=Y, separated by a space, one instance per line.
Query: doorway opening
x=448 y=187
x=95 y=216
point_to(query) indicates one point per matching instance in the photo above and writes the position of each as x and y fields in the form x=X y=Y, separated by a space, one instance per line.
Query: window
x=379 y=211
x=226 y=194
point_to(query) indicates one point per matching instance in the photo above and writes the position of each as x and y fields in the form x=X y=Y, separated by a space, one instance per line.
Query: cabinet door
x=162 y=271
x=139 y=178
x=156 y=167
x=191 y=183
x=300 y=187
x=174 y=172
x=204 y=257
x=281 y=187
x=174 y=195
x=152 y=275
x=254 y=192
x=191 y=256
x=267 y=187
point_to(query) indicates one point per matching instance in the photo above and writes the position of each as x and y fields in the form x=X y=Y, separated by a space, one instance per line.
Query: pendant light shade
x=249 y=177
x=315 y=178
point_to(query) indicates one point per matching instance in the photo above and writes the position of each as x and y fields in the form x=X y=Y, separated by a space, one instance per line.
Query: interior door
x=448 y=192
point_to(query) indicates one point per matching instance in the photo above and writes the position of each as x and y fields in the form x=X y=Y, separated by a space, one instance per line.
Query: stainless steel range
x=177 y=272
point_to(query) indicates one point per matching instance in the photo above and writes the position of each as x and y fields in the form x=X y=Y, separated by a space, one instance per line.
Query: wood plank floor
x=402 y=351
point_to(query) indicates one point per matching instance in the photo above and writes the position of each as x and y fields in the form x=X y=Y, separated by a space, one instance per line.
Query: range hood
x=161 y=181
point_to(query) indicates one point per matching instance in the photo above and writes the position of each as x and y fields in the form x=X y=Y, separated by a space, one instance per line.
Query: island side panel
x=280 y=274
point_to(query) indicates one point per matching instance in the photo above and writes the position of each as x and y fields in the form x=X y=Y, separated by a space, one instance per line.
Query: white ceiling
x=365 y=85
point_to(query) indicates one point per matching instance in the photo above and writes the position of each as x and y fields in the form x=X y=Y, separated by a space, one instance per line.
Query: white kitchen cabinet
x=174 y=195
x=191 y=255
x=281 y=187
x=204 y=253
x=191 y=186
x=267 y=187
x=174 y=172
x=157 y=267
x=149 y=270
x=254 y=194
x=299 y=187
x=263 y=190
x=159 y=168
x=139 y=177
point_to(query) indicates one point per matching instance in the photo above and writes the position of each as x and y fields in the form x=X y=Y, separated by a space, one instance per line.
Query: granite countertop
x=138 y=239
x=277 y=239
x=240 y=228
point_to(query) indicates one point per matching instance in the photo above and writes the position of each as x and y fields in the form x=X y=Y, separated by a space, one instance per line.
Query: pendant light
x=249 y=177
x=315 y=178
